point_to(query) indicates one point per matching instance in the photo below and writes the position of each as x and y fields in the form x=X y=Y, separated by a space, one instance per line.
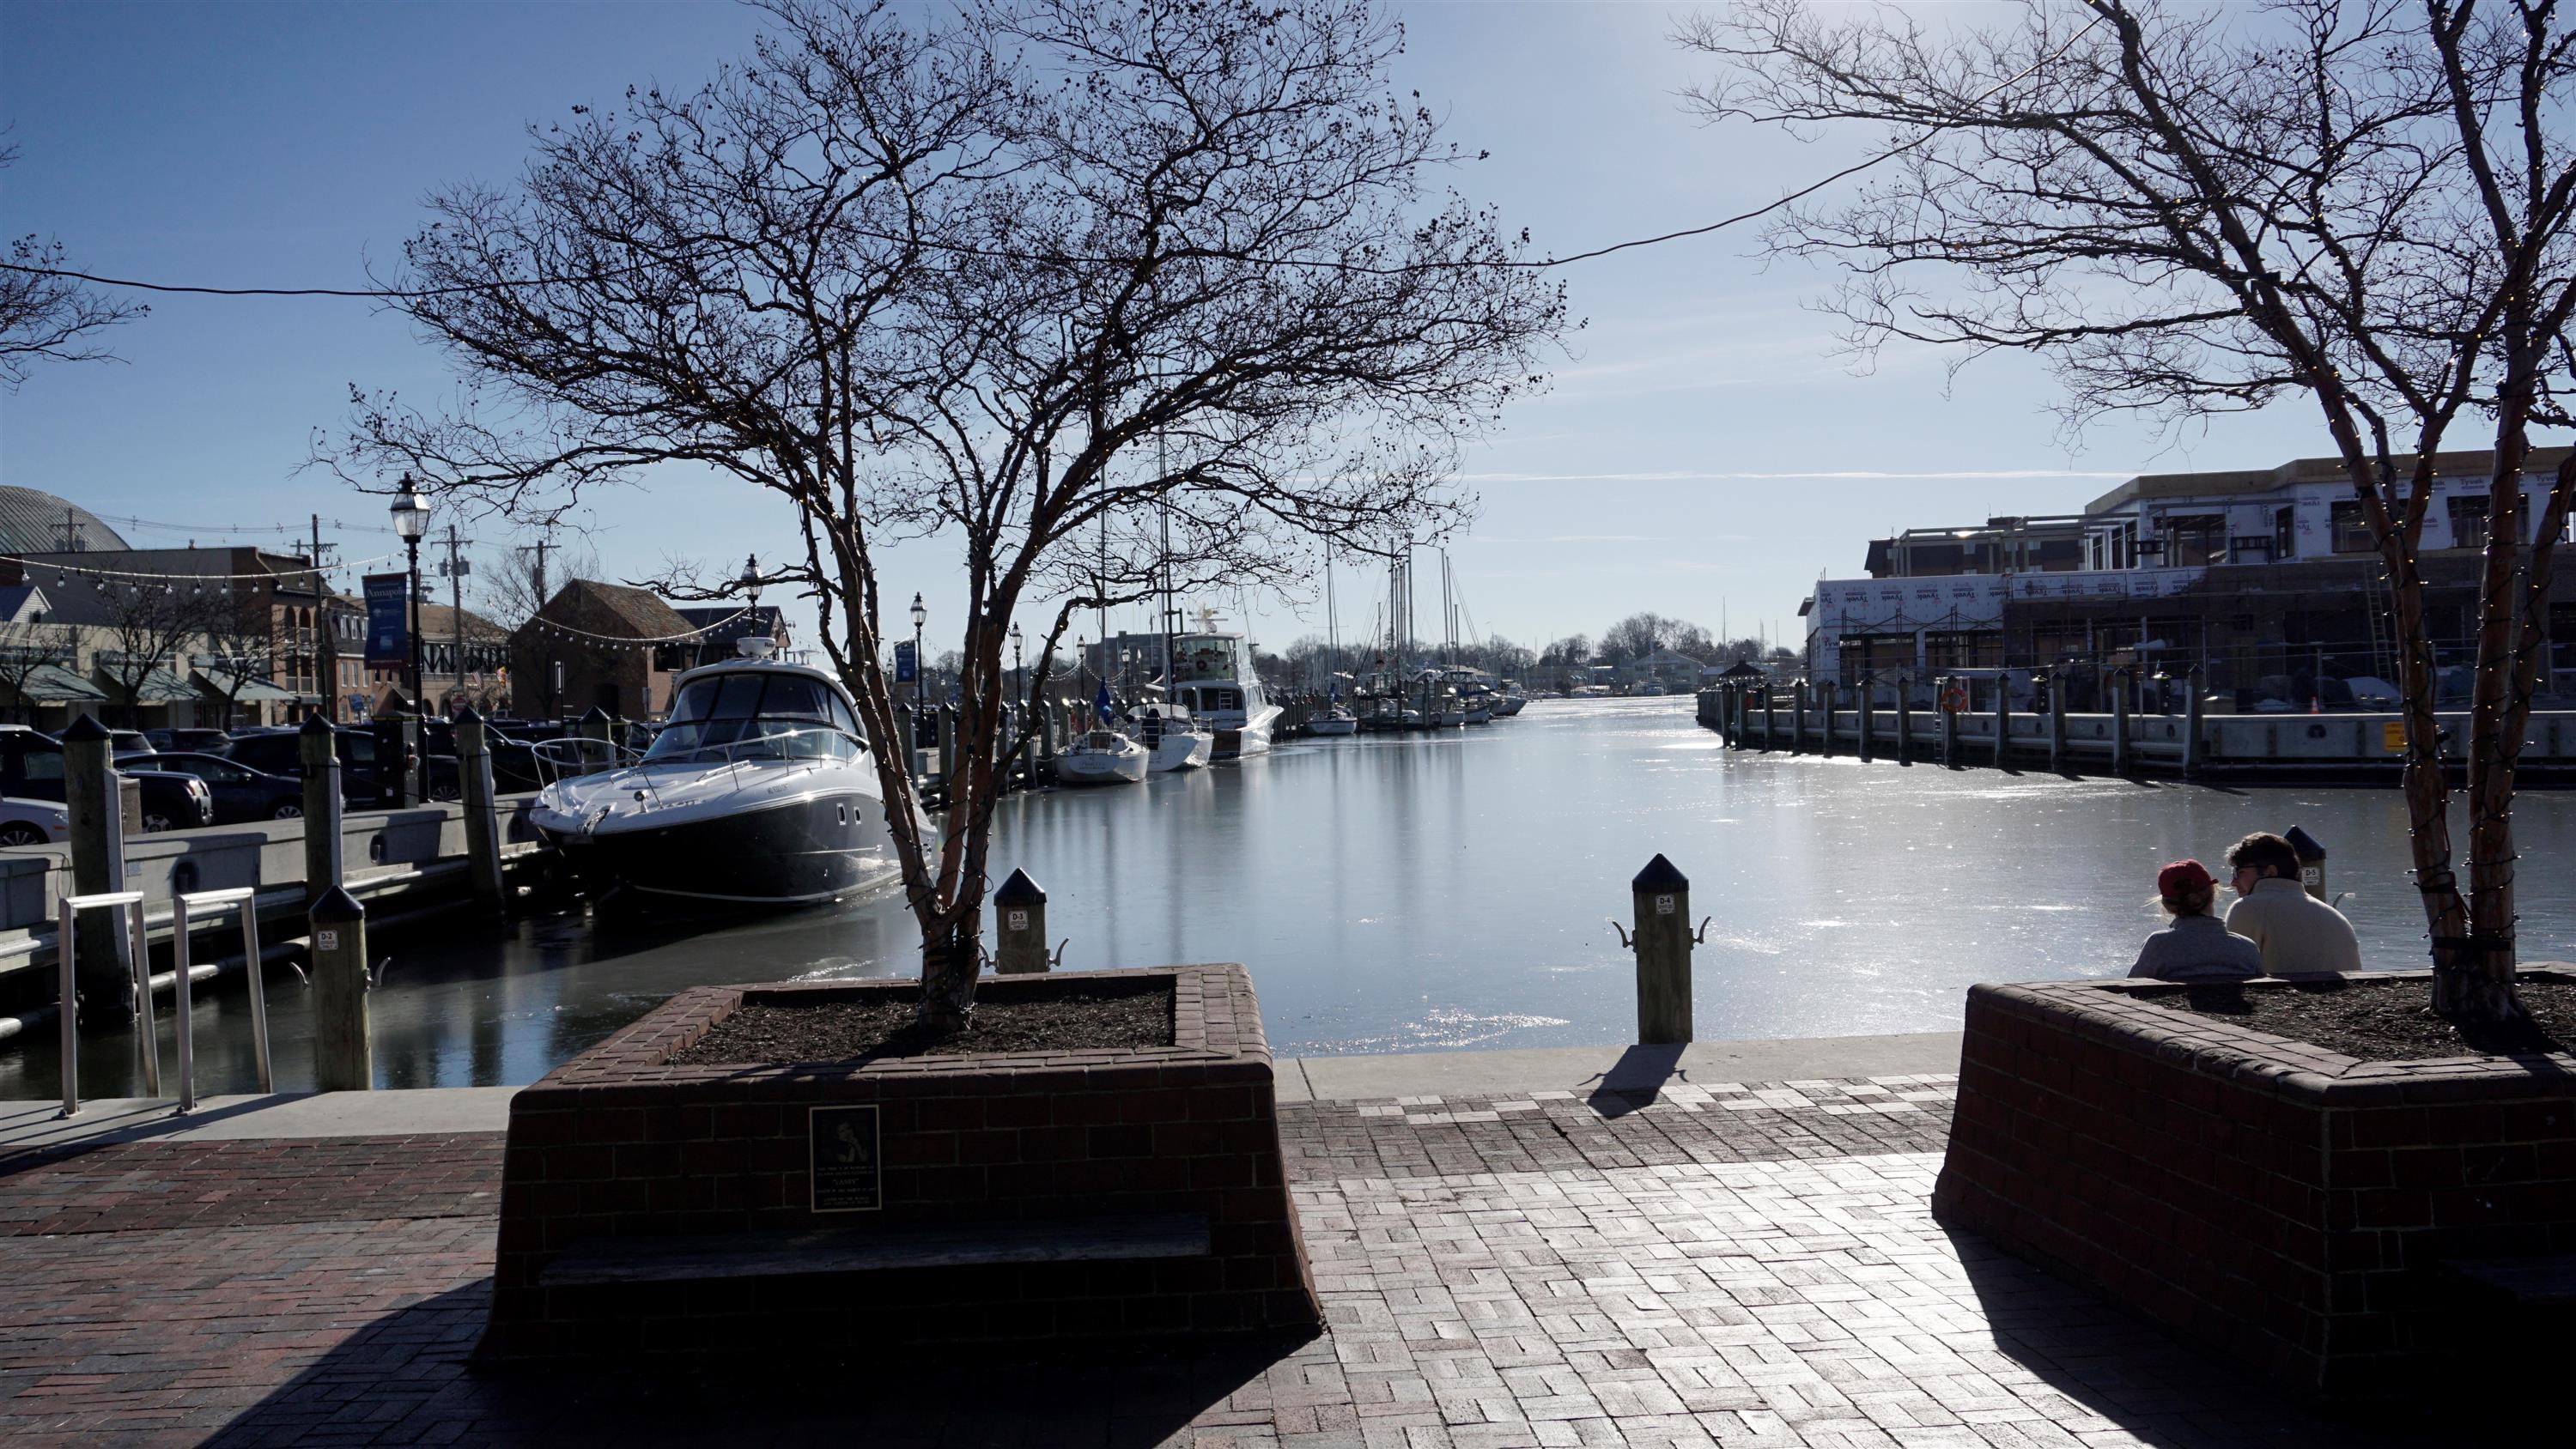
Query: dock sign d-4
x=842 y=1143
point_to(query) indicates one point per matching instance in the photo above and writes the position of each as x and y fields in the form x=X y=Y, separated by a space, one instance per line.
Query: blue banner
x=388 y=628
x=906 y=667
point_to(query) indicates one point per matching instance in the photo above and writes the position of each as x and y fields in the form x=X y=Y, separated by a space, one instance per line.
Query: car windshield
x=757 y=714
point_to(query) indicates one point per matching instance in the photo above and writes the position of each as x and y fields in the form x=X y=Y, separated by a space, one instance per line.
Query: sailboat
x=1334 y=719
x=1103 y=754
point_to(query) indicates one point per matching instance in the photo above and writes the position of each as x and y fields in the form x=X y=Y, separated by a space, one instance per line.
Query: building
x=461 y=664
x=600 y=645
x=2266 y=582
x=723 y=627
x=146 y=637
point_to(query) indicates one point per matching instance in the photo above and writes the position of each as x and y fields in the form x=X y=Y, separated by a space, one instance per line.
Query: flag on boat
x=1333 y=692
x=1103 y=707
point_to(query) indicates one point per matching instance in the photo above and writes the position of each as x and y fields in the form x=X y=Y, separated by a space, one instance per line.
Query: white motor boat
x=1102 y=757
x=1509 y=700
x=758 y=790
x=1173 y=741
x=1335 y=720
x=1212 y=678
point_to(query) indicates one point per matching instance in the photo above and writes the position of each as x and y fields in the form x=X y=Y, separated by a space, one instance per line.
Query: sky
x=1703 y=451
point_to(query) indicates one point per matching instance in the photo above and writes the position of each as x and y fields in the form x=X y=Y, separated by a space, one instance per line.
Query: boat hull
x=1181 y=752
x=811 y=849
x=1090 y=768
x=1329 y=727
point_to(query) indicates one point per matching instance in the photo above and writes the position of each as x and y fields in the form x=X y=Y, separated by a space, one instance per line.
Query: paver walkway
x=1729 y=1263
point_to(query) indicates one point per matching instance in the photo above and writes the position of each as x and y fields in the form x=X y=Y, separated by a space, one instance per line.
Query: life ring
x=1954 y=700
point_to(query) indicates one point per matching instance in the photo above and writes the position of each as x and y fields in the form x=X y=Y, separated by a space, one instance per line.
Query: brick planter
x=617 y=1153
x=2285 y=1206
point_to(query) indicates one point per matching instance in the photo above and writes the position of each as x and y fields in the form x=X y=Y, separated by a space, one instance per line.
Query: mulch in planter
x=1080 y=1019
x=2384 y=1021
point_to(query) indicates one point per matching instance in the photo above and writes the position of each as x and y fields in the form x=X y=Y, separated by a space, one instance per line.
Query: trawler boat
x=759 y=790
x=1212 y=678
x=1102 y=757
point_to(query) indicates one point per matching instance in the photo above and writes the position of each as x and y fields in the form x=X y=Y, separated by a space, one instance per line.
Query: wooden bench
x=785 y=1255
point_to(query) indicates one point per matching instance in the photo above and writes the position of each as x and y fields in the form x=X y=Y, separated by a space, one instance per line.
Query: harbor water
x=1419 y=892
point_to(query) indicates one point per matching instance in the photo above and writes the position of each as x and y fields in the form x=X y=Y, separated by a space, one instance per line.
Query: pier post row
x=1904 y=720
x=97 y=820
x=482 y=825
x=1663 y=945
x=2003 y=722
x=343 y=1057
x=318 y=748
x=1022 y=907
x=2121 y=682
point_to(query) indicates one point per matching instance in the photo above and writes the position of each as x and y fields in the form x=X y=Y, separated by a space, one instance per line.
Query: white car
x=34 y=822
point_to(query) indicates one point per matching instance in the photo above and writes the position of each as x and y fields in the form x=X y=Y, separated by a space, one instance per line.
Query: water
x=1409 y=893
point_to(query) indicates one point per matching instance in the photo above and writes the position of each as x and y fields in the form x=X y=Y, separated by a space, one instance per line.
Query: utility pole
x=326 y=662
x=536 y=606
x=456 y=608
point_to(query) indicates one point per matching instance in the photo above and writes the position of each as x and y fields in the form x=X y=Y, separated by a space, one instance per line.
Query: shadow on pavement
x=2158 y=1387
x=1636 y=1079
x=406 y=1378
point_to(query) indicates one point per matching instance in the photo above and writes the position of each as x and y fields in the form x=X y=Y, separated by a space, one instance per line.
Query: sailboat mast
x=1162 y=459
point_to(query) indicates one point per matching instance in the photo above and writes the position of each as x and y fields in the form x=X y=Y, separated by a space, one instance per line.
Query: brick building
x=600 y=644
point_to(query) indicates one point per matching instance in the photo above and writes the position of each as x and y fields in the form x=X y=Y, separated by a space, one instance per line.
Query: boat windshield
x=757 y=714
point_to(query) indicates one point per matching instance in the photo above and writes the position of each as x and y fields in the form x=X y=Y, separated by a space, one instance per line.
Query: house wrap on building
x=2266 y=582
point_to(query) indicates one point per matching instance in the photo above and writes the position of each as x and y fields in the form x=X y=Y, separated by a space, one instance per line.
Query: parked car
x=188 y=739
x=123 y=745
x=34 y=822
x=281 y=752
x=241 y=793
x=31 y=767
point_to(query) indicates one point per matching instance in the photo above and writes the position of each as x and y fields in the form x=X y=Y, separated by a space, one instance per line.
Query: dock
x=1805 y=718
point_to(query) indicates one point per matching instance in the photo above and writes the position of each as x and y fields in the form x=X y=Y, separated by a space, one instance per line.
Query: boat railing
x=807 y=744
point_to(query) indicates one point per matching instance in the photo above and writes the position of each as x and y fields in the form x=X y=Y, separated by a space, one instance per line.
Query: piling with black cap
x=1024 y=929
x=1663 y=945
x=317 y=746
x=947 y=743
x=1798 y=719
x=2312 y=861
x=343 y=1060
x=97 y=821
x=482 y=825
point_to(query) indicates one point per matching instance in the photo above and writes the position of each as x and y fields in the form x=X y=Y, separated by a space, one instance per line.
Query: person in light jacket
x=2298 y=932
x=2196 y=947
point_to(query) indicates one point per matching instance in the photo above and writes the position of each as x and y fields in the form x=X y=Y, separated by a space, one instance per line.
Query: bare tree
x=513 y=588
x=1039 y=280
x=2202 y=210
x=44 y=315
x=147 y=623
x=239 y=624
x=28 y=644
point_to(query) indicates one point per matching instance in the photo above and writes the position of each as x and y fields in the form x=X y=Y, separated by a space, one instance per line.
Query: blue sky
x=1703 y=454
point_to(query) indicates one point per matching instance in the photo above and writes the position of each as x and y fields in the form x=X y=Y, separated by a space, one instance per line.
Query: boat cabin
x=758 y=710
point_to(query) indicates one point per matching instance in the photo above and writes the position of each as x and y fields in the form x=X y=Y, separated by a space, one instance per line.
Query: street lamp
x=919 y=671
x=411 y=520
x=1019 y=665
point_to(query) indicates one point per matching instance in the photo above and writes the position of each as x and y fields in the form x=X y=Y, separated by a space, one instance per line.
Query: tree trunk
x=2473 y=978
x=952 y=956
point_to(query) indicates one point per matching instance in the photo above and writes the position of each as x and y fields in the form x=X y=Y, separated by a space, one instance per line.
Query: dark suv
x=281 y=752
x=31 y=768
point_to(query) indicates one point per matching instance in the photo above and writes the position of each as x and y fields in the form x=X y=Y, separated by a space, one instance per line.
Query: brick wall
x=2282 y=1205
x=618 y=1143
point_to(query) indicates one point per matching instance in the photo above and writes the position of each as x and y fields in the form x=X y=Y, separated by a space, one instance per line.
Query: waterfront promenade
x=1728 y=1243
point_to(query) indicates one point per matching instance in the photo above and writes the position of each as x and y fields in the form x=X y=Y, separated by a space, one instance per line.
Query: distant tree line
x=1309 y=661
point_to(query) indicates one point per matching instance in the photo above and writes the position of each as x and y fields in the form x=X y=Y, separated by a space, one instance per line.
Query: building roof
x=726 y=622
x=2467 y=464
x=36 y=522
x=619 y=610
x=438 y=621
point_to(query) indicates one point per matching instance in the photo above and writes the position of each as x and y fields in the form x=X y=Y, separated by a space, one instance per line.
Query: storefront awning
x=159 y=687
x=53 y=684
x=240 y=690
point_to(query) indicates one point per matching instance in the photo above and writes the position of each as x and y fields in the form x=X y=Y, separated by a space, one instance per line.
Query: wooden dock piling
x=1663 y=945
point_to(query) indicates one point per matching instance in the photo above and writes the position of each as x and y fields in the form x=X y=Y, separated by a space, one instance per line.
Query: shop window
x=2468 y=522
x=2352 y=529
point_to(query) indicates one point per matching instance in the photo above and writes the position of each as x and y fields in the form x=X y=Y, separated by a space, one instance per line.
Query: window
x=2352 y=529
x=2198 y=539
x=43 y=764
x=2468 y=522
x=2285 y=533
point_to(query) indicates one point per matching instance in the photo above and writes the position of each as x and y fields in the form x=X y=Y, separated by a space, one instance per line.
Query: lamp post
x=411 y=520
x=920 y=667
x=751 y=585
x=1019 y=664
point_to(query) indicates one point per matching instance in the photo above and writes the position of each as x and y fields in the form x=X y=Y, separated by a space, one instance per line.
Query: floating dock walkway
x=1805 y=718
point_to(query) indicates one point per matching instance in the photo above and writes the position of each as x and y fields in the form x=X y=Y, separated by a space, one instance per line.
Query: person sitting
x=2298 y=932
x=2196 y=947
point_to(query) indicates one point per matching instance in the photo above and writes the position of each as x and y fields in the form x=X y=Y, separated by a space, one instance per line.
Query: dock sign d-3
x=842 y=1142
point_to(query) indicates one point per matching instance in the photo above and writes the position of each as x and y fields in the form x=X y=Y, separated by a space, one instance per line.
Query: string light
x=63 y=570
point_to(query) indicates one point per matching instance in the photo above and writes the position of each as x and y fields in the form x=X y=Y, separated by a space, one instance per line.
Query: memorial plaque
x=841 y=1145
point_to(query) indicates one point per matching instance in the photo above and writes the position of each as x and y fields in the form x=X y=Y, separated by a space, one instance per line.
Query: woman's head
x=2186 y=888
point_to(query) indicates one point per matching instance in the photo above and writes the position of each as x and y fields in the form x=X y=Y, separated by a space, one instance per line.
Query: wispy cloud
x=1965 y=475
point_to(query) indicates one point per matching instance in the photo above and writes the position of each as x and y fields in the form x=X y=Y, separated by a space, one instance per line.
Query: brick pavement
x=1746 y=1264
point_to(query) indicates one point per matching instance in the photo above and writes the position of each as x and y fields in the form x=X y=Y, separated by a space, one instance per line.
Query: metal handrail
x=732 y=754
x=67 y=941
x=243 y=899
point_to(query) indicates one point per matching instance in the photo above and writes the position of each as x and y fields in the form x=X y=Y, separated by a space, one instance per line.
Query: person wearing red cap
x=2197 y=946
